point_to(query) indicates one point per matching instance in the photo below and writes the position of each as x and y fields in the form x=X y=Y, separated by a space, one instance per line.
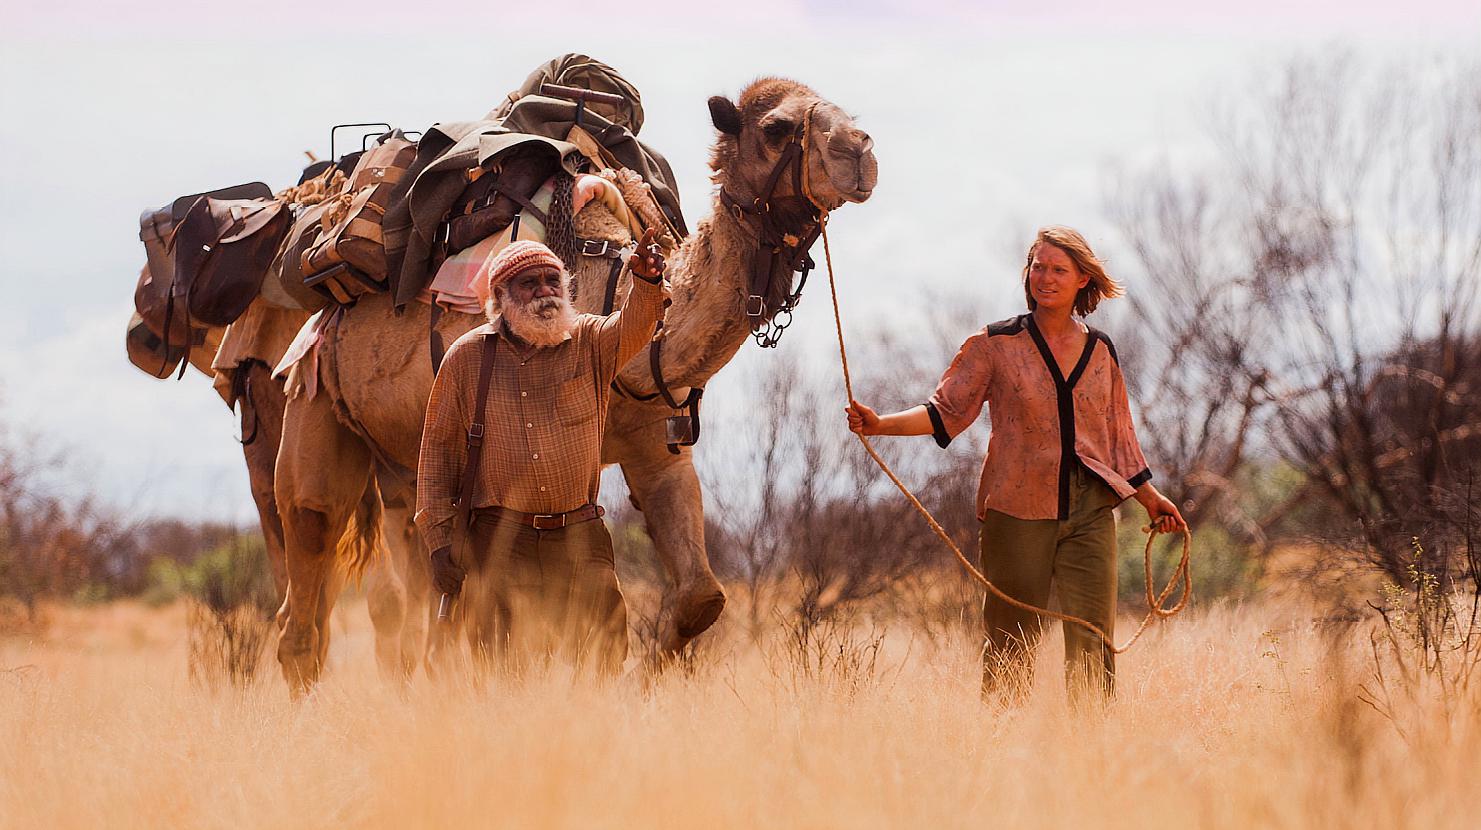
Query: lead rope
x=1155 y=604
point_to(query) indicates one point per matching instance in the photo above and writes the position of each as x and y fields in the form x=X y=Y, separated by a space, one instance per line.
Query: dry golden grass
x=1218 y=723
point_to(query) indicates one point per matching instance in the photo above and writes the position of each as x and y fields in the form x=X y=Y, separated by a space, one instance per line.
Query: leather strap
x=464 y=501
x=691 y=401
x=774 y=246
x=609 y=300
x=528 y=205
x=543 y=521
x=434 y=338
x=241 y=390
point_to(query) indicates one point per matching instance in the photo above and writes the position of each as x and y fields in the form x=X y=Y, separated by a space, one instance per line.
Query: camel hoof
x=700 y=617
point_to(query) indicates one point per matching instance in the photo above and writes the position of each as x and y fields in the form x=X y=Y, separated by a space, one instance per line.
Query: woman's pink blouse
x=1043 y=424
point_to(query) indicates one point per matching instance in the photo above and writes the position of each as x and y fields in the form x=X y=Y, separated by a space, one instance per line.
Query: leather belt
x=542 y=521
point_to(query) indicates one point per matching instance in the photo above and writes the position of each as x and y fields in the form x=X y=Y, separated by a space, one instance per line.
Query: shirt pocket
x=576 y=401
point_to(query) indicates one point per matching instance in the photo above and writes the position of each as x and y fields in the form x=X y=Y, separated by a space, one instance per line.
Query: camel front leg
x=321 y=477
x=666 y=489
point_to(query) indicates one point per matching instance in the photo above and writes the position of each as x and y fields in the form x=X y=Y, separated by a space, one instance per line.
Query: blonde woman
x=1063 y=453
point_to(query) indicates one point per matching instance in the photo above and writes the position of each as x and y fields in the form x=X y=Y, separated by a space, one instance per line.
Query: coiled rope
x=1154 y=604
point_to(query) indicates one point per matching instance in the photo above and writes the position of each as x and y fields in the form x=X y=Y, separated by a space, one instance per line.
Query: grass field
x=1234 y=716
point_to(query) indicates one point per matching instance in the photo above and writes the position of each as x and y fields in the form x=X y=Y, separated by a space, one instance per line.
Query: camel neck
x=707 y=323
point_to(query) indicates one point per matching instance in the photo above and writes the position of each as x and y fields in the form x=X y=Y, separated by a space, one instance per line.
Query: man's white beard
x=545 y=321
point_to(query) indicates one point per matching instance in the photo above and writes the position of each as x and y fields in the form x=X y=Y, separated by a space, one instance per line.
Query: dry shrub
x=230 y=612
x=225 y=645
x=1426 y=651
x=17 y=619
x=834 y=651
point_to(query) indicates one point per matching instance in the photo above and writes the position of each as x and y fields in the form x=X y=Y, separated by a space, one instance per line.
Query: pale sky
x=990 y=119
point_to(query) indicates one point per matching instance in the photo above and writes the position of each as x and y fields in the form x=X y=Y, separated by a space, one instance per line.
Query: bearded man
x=537 y=556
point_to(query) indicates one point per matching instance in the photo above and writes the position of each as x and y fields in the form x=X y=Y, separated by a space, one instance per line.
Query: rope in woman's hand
x=1155 y=604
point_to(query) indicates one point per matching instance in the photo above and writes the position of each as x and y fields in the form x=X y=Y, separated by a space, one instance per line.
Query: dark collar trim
x=1106 y=339
x=1010 y=326
x=1048 y=355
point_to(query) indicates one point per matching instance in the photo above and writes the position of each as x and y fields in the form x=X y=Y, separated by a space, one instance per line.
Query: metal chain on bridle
x=780 y=248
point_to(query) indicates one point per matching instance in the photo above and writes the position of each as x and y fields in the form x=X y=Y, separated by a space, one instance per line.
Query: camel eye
x=778 y=129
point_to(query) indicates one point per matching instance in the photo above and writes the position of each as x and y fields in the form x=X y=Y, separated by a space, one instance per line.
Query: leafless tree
x=1325 y=272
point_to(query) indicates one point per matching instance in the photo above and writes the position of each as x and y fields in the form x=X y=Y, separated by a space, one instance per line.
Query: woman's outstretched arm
x=865 y=421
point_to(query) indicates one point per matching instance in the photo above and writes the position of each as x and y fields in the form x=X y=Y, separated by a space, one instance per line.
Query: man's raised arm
x=627 y=330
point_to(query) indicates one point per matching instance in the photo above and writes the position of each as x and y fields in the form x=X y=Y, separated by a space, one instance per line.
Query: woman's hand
x=1162 y=514
x=862 y=419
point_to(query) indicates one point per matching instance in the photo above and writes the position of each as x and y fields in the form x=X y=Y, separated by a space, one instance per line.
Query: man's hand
x=447 y=576
x=648 y=262
x=862 y=419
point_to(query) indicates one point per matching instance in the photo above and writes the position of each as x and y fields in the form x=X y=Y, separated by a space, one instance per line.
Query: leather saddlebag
x=223 y=248
x=148 y=351
x=157 y=298
x=489 y=202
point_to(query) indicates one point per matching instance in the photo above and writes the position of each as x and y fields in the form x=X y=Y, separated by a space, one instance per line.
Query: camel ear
x=724 y=115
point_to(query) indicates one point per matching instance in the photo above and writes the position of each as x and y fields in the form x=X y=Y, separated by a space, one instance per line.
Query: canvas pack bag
x=311 y=199
x=351 y=232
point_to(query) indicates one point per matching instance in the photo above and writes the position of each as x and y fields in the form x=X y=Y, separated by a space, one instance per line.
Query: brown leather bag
x=149 y=352
x=287 y=268
x=354 y=237
x=169 y=298
x=223 y=248
x=489 y=202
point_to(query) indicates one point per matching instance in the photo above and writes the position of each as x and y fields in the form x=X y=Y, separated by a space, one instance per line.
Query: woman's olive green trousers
x=1077 y=558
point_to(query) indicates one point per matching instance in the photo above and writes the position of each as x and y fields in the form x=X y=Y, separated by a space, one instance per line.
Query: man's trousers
x=532 y=594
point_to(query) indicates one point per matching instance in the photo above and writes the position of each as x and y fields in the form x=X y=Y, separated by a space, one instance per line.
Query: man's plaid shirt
x=547 y=410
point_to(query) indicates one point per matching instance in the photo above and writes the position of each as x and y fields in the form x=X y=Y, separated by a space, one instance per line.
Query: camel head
x=755 y=131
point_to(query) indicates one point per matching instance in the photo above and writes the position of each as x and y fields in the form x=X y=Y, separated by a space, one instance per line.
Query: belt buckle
x=755 y=305
x=590 y=247
x=538 y=521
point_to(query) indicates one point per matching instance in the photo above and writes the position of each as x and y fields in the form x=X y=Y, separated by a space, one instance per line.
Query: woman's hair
x=1077 y=249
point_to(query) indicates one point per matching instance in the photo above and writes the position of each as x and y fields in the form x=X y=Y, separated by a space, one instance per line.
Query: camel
x=241 y=357
x=375 y=368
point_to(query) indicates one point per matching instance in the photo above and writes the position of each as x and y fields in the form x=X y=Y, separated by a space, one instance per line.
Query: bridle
x=778 y=246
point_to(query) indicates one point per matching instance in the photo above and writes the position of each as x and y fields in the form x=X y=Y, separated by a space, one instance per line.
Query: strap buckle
x=541 y=521
x=475 y=433
x=596 y=247
x=755 y=305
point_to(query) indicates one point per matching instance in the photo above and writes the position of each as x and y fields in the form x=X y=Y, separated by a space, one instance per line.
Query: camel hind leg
x=322 y=474
x=398 y=592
